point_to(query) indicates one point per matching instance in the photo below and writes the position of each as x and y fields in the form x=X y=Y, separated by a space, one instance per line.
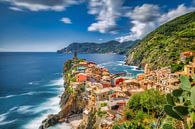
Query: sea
x=31 y=85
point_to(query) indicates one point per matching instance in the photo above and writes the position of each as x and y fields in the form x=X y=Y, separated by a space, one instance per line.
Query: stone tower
x=75 y=56
x=146 y=69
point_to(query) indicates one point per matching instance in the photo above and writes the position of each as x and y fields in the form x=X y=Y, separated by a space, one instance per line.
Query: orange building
x=186 y=54
x=81 y=77
x=140 y=77
x=119 y=80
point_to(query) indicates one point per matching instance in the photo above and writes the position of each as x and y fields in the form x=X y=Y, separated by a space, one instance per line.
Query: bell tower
x=75 y=56
x=146 y=69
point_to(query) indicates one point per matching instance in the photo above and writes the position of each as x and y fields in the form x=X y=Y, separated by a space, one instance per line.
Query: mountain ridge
x=105 y=47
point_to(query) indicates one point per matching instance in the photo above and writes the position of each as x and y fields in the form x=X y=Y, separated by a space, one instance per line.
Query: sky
x=49 y=25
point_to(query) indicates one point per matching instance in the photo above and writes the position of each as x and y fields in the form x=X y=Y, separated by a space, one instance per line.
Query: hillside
x=107 y=47
x=162 y=47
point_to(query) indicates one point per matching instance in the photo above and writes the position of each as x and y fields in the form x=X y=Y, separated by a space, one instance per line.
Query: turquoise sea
x=31 y=83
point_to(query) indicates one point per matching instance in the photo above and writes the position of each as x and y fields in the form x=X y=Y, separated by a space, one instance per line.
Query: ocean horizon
x=31 y=84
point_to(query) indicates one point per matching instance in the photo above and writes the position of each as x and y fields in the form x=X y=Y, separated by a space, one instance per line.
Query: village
x=109 y=93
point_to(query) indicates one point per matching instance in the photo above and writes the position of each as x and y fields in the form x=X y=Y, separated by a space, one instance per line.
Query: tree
x=150 y=101
x=142 y=110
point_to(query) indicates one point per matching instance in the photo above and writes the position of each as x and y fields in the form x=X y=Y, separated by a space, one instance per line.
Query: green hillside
x=106 y=47
x=163 y=46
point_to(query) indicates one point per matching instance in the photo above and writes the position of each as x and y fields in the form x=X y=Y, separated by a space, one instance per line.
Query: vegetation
x=104 y=104
x=177 y=67
x=101 y=113
x=163 y=46
x=73 y=79
x=142 y=111
x=169 y=123
x=107 y=47
x=151 y=109
x=181 y=103
x=69 y=89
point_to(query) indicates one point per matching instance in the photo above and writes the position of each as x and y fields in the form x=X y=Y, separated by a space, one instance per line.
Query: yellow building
x=190 y=69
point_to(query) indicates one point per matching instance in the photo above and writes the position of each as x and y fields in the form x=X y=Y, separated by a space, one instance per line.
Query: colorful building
x=81 y=77
x=189 y=70
x=118 y=80
x=81 y=69
x=186 y=54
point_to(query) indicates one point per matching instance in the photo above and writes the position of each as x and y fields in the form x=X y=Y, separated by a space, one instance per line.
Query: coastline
x=51 y=103
x=73 y=101
x=81 y=102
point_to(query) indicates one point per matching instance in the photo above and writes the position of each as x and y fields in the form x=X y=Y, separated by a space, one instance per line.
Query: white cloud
x=145 y=13
x=180 y=10
x=40 y=5
x=15 y=9
x=143 y=19
x=66 y=20
x=107 y=12
x=147 y=17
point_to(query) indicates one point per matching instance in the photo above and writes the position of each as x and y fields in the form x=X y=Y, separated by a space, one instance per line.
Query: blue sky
x=40 y=25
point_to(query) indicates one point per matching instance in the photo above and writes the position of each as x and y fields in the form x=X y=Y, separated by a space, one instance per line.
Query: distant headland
x=106 y=47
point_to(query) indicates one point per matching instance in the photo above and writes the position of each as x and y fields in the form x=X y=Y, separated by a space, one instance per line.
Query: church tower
x=146 y=69
x=75 y=56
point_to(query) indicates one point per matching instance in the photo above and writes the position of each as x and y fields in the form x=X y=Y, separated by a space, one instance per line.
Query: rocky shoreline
x=71 y=103
x=93 y=97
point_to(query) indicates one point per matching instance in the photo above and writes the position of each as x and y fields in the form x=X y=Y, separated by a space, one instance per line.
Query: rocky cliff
x=71 y=103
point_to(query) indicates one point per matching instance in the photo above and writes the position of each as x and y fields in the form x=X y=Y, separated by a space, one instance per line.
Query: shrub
x=176 y=67
x=104 y=104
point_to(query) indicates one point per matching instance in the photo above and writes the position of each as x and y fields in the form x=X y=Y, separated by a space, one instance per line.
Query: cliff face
x=71 y=102
x=162 y=47
x=90 y=123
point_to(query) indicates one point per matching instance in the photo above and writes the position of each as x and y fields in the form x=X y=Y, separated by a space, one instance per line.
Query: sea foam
x=51 y=106
x=4 y=116
x=26 y=93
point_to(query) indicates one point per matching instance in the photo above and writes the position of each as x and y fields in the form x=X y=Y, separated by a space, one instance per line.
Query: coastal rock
x=90 y=122
x=49 y=121
x=70 y=104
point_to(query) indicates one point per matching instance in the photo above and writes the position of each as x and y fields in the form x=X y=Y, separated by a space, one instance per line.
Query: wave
x=24 y=109
x=57 y=82
x=104 y=64
x=8 y=122
x=4 y=116
x=58 y=73
x=112 y=63
x=51 y=106
x=34 y=83
x=135 y=68
x=24 y=94
x=9 y=96
x=61 y=126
